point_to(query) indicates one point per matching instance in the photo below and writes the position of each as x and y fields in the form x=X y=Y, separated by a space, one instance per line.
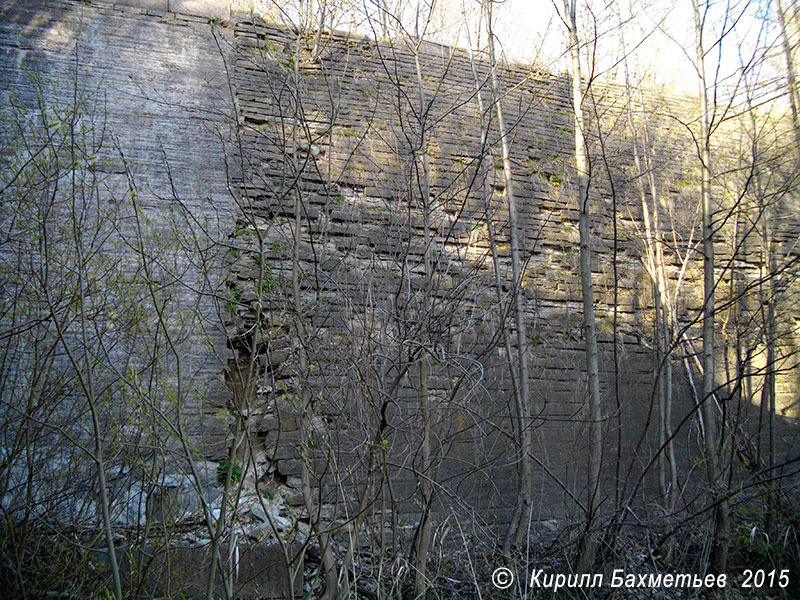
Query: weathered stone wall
x=154 y=99
x=342 y=126
x=387 y=276
x=354 y=144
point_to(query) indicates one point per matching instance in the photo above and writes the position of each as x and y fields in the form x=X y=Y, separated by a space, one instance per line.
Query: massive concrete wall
x=156 y=108
x=330 y=140
x=344 y=130
x=352 y=143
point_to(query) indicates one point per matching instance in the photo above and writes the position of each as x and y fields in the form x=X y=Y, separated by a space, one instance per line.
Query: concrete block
x=202 y=8
x=147 y=4
x=181 y=572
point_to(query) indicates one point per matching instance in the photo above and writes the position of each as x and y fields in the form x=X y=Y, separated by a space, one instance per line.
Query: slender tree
x=711 y=419
x=589 y=540
x=517 y=527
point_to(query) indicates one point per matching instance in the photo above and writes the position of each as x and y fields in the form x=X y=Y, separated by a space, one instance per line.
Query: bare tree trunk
x=654 y=255
x=588 y=545
x=766 y=297
x=721 y=525
x=423 y=537
x=768 y=391
x=524 y=501
x=519 y=402
x=323 y=6
x=665 y=320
